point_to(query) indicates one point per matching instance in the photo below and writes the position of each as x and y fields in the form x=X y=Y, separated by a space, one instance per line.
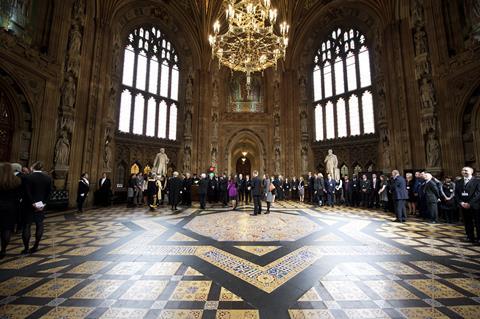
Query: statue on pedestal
x=331 y=164
x=160 y=163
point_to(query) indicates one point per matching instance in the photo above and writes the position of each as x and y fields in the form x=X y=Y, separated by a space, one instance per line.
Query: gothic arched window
x=342 y=86
x=149 y=100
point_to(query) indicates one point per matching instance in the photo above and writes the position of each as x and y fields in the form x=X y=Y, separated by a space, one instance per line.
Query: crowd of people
x=24 y=193
x=417 y=194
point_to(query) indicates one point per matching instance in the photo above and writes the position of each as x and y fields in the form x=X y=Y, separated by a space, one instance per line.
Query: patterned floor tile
x=422 y=313
x=145 y=290
x=432 y=267
x=82 y=251
x=163 y=269
x=104 y=241
x=191 y=291
x=311 y=295
x=469 y=284
x=366 y=314
x=181 y=314
x=397 y=268
x=99 y=289
x=192 y=272
x=17 y=311
x=227 y=295
x=344 y=290
x=310 y=314
x=258 y=250
x=180 y=237
x=68 y=313
x=89 y=267
x=234 y=226
x=54 y=270
x=20 y=263
x=15 y=284
x=126 y=268
x=434 y=289
x=388 y=290
x=237 y=314
x=124 y=313
x=467 y=312
x=54 y=288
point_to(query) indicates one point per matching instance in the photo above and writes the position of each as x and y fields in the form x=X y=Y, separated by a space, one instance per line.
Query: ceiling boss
x=250 y=43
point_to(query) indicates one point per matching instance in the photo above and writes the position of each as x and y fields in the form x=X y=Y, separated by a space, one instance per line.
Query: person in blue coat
x=400 y=196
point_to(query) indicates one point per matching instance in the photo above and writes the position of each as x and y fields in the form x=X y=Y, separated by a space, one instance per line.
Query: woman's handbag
x=271 y=188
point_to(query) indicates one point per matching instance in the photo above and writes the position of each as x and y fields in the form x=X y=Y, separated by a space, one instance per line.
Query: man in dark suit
x=104 y=190
x=175 y=190
x=256 y=194
x=365 y=190
x=432 y=195
x=82 y=191
x=400 y=196
x=187 y=190
x=355 y=191
x=330 y=189
x=347 y=190
x=467 y=196
x=222 y=187
x=202 y=190
x=38 y=186
x=240 y=188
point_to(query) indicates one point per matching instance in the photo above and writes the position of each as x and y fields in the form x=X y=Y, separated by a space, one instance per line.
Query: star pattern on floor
x=311 y=263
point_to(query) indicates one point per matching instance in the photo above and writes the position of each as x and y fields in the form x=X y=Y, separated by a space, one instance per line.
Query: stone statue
x=69 y=92
x=160 y=163
x=215 y=125
x=215 y=98
x=433 y=151
x=186 y=159
x=62 y=150
x=304 y=159
x=331 y=164
x=417 y=13
x=303 y=123
x=386 y=154
x=189 y=89
x=188 y=124
x=73 y=63
x=107 y=156
x=428 y=94
x=303 y=89
x=214 y=155
x=277 y=160
x=420 y=42
x=276 y=126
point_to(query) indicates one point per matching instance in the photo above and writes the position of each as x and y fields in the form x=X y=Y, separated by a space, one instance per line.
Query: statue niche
x=240 y=99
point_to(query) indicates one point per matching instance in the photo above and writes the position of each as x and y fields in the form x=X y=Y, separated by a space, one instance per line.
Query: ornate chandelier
x=250 y=44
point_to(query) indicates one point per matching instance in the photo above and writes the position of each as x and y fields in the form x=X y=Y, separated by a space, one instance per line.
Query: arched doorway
x=6 y=128
x=244 y=166
x=245 y=144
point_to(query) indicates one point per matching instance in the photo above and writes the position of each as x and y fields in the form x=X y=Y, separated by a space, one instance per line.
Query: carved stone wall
x=65 y=75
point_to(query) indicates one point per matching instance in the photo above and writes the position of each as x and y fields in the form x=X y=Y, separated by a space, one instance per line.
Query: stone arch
x=253 y=142
x=21 y=111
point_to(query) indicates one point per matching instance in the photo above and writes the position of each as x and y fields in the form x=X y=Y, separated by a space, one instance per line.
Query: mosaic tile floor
x=298 y=262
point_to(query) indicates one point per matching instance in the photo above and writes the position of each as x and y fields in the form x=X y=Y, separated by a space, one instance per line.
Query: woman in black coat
x=10 y=190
